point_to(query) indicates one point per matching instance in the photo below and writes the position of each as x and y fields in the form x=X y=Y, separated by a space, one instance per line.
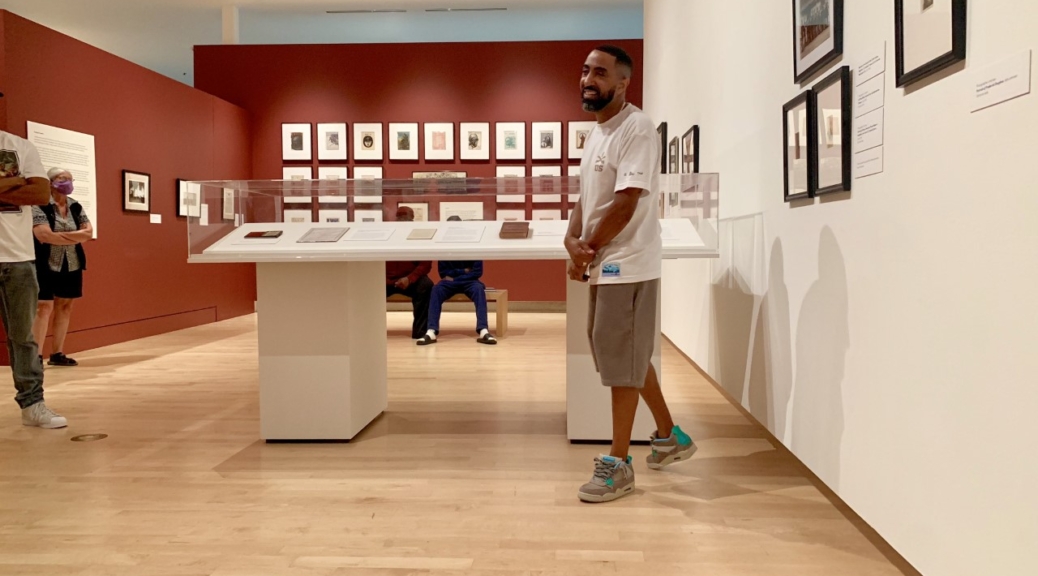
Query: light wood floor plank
x=469 y=473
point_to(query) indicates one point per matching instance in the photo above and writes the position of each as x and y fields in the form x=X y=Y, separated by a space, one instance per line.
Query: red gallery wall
x=138 y=282
x=449 y=82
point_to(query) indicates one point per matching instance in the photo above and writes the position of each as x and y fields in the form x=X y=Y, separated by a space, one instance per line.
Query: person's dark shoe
x=60 y=359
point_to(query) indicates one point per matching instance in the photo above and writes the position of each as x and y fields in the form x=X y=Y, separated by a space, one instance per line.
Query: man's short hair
x=623 y=59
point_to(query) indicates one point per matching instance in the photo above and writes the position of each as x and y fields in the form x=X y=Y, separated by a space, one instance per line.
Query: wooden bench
x=500 y=297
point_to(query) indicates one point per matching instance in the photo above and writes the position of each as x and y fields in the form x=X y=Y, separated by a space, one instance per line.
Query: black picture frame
x=131 y=193
x=662 y=131
x=843 y=78
x=801 y=76
x=691 y=136
x=810 y=146
x=675 y=155
x=956 y=54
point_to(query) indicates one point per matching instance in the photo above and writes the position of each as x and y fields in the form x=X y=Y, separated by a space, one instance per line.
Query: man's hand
x=579 y=252
x=403 y=283
x=576 y=272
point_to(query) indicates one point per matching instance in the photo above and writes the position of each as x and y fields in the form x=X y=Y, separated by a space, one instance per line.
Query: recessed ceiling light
x=465 y=9
x=382 y=11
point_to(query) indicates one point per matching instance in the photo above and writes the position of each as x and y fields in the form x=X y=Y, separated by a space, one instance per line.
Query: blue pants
x=444 y=290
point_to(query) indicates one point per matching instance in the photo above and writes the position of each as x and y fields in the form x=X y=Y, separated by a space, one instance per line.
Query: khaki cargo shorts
x=621 y=325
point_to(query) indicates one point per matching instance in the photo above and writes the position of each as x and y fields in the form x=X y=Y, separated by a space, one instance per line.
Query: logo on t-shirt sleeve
x=611 y=270
x=9 y=165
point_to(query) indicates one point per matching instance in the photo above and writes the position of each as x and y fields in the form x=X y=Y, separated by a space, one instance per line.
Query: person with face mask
x=60 y=229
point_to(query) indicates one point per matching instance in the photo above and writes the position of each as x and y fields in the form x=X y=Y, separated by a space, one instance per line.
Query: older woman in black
x=60 y=228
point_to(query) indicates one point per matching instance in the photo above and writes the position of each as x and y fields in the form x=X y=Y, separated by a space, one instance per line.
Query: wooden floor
x=469 y=472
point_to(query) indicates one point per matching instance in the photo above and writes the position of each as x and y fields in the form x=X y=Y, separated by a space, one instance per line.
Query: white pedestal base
x=322 y=348
x=588 y=403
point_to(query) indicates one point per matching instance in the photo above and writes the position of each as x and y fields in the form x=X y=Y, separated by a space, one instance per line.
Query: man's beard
x=599 y=102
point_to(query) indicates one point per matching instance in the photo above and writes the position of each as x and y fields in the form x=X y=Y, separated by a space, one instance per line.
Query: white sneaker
x=39 y=415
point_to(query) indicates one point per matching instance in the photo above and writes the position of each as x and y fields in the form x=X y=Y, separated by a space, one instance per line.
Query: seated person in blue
x=459 y=277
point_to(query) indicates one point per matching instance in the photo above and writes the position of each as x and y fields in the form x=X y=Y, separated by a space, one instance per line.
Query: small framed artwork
x=333 y=173
x=297 y=173
x=189 y=199
x=228 y=204
x=136 y=191
x=799 y=147
x=475 y=140
x=403 y=141
x=817 y=36
x=331 y=142
x=690 y=151
x=367 y=141
x=299 y=216
x=511 y=141
x=547 y=140
x=295 y=142
x=366 y=215
x=421 y=210
x=547 y=186
x=662 y=131
x=578 y=133
x=510 y=184
x=439 y=141
x=511 y=215
x=675 y=155
x=467 y=211
x=833 y=118
x=333 y=216
x=930 y=36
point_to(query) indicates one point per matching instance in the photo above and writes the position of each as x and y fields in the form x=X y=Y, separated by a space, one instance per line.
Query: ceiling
x=160 y=34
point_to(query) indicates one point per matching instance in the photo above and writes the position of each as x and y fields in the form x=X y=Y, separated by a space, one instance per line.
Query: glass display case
x=435 y=215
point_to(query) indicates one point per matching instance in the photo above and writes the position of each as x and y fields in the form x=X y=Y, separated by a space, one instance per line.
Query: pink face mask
x=65 y=187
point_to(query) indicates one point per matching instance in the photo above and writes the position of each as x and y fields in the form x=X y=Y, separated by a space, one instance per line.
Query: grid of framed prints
x=331 y=142
x=930 y=36
x=403 y=141
x=817 y=36
x=367 y=141
x=547 y=140
x=690 y=151
x=511 y=140
x=578 y=134
x=833 y=114
x=439 y=141
x=799 y=146
x=295 y=142
x=136 y=191
x=475 y=140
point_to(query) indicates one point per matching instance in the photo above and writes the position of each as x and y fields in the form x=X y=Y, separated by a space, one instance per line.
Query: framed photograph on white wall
x=798 y=127
x=578 y=133
x=547 y=140
x=403 y=141
x=439 y=141
x=295 y=142
x=511 y=140
x=331 y=142
x=367 y=141
x=475 y=140
x=510 y=184
x=817 y=36
x=930 y=35
x=833 y=117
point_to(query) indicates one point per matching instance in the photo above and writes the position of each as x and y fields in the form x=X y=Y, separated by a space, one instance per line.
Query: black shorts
x=62 y=284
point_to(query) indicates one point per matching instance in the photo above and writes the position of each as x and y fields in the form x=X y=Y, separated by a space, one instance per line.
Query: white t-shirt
x=619 y=154
x=18 y=158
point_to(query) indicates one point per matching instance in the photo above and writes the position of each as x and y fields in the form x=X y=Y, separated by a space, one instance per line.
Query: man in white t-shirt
x=23 y=184
x=614 y=242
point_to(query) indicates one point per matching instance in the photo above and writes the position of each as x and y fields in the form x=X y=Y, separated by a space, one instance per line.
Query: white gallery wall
x=886 y=336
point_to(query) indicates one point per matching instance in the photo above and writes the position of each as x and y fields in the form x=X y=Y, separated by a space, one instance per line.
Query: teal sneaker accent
x=613 y=478
x=683 y=438
x=609 y=482
x=675 y=448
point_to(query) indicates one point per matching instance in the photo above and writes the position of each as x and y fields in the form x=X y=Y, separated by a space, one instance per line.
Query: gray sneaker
x=39 y=415
x=679 y=446
x=613 y=479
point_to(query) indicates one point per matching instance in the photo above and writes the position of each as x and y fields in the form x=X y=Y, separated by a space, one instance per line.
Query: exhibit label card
x=873 y=65
x=1002 y=82
x=870 y=96
x=868 y=163
x=156 y=218
x=371 y=235
x=74 y=152
x=869 y=131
